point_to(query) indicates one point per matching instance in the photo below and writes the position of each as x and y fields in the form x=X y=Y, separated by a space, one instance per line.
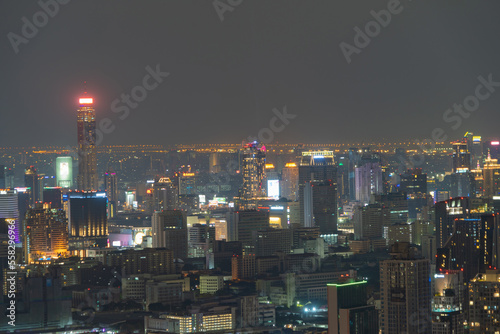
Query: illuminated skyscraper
x=491 y=177
x=46 y=232
x=87 y=151
x=165 y=195
x=88 y=224
x=461 y=157
x=290 y=181
x=484 y=297
x=64 y=172
x=368 y=180
x=448 y=304
x=170 y=230
x=253 y=159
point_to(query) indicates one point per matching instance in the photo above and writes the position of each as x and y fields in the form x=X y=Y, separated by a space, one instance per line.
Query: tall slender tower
x=87 y=151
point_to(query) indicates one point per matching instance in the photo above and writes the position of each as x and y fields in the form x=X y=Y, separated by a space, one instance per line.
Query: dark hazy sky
x=227 y=76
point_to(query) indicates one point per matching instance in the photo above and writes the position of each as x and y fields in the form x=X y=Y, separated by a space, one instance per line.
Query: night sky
x=227 y=76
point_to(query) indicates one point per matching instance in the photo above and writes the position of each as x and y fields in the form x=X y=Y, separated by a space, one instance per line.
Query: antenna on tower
x=85 y=87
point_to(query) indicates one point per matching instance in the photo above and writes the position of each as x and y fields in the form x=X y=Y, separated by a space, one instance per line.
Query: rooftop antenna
x=85 y=87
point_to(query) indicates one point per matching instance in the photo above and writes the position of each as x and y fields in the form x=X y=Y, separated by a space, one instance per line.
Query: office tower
x=484 y=302
x=446 y=213
x=31 y=182
x=491 y=177
x=246 y=222
x=53 y=195
x=320 y=206
x=461 y=157
x=290 y=181
x=170 y=231
x=214 y=163
x=253 y=160
x=200 y=240
x=471 y=247
x=271 y=240
x=413 y=182
x=87 y=150
x=476 y=149
x=368 y=181
x=272 y=182
x=64 y=172
x=187 y=183
x=370 y=220
x=353 y=157
x=348 y=311
x=405 y=292
x=165 y=195
x=88 y=223
x=9 y=212
x=111 y=188
x=397 y=204
x=189 y=203
x=318 y=167
x=46 y=233
x=2 y=176
x=223 y=252
x=449 y=303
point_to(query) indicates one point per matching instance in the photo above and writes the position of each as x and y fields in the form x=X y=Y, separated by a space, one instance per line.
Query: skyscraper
x=461 y=157
x=170 y=231
x=111 y=188
x=290 y=181
x=405 y=287
x=88 y=224
x=165 y=195
x=64 y=172
x=87 y=150
x=368 y=181
x=31 y=181
x=46 y=232
x=253 y=161
x=317 y=167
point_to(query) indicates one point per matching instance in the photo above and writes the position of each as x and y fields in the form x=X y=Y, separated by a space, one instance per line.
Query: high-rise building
x=31 y=182
x=405 y=292
x=370 y=220
x=165 y=195
x=87 y=150
x=491 y=177
x=413 y=182
x=9 y=212
x=320 y=206
x=353 y=157
x=317 y=167
x=170 y=231
x=187 y=183
x=247 y=221
x=253 y=161
x=111 y=188
x=272 y=240
x=88 y=223
x=46 y=233
x=448 y=303
x=484 y=302
x=290 y=181
x=348 y=311
x=461 y=157
x=471 y=247
x=446 y=213
x=64 y=172
x=53 y=195
x=369 y=181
